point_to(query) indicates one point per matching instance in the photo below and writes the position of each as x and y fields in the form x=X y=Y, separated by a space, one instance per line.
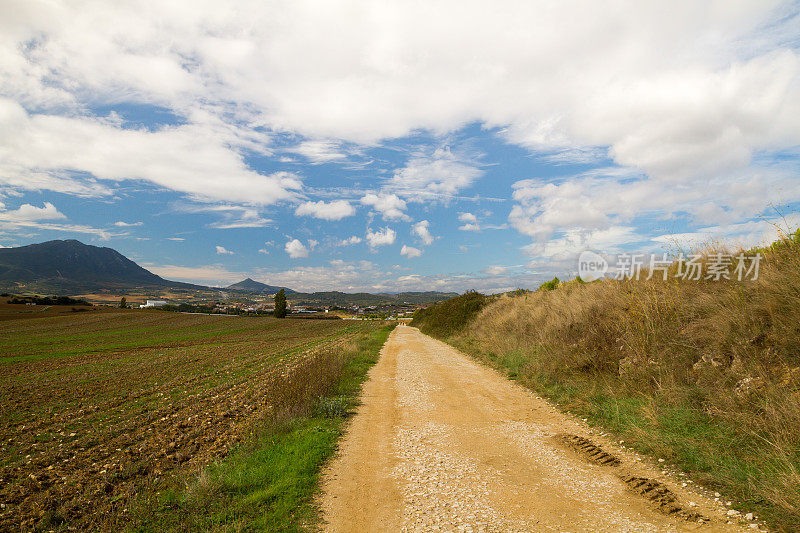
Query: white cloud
x=222 y=251
x=410 y=251
x=176 y=239
x=61 y=229
x=381 y=237
x=470 y=222
x=35 y=218
x=320 y=151
x=574 y=241
x=581 y=155
x=743 y=234
x=255 y=222
x=335 y=210
x=233 y=216
x=336 y=275
x=349 y=241
x=437 y=176
x=602 y=209
x=122 y=224
x=674 y=88
x=205 y=275
x=31 y=213
x=267 y=245
x=420 y=229
x=296 y=249
x=193 y=159
x=496 y=270
x=390 y=206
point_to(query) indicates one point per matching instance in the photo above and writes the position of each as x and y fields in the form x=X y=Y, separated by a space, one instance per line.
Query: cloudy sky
x=395 y=145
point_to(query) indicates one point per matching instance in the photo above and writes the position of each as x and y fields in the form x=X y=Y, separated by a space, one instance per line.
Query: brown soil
x=81 y=435
x=22 y=311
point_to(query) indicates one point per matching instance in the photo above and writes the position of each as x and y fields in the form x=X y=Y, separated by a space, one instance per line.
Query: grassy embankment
x=268 y=483
x=705 y=374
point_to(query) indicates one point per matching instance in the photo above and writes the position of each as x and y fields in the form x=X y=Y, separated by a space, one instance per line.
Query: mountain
x=71 y=266
x=71 y=261
x=251 y=285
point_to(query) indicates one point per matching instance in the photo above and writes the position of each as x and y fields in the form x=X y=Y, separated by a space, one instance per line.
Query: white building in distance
x=154 y=303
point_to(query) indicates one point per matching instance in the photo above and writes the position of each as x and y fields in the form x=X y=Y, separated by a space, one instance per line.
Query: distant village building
x=154 y=303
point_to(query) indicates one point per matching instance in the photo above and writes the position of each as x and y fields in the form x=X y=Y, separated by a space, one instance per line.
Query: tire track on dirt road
x=442 y=443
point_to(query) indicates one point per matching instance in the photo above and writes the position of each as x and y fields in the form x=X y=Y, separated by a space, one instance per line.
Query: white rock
x=750 y=516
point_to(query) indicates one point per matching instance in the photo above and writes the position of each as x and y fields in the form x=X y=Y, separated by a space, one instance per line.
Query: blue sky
x=396 y=146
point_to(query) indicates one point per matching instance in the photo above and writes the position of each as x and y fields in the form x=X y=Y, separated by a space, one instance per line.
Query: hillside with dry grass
x=703 y=374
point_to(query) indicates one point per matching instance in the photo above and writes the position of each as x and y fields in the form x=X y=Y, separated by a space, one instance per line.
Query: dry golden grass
x=706 y=373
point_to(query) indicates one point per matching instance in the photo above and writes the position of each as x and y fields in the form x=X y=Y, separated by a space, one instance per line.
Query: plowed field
x=95 y=405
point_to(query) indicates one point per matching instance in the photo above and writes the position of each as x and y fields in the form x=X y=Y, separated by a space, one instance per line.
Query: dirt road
x=442 y=443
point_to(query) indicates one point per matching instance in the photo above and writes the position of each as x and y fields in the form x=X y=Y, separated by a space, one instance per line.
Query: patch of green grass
x=265 y=485
x=268 y=483
x=513 y=362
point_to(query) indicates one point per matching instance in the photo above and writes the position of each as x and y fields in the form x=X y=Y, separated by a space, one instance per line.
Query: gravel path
x=442 y=443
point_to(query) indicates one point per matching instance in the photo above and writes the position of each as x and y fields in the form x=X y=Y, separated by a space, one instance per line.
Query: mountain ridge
x=251 y=285
x=71 y=262
x=72 y=267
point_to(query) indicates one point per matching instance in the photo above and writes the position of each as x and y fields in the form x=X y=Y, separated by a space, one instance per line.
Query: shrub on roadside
x=450 y=317
x=335 y=407
x=550 y=285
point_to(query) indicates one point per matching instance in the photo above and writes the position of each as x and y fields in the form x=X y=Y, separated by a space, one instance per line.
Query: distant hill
x=71 y=266
x=253 y=286
x=345 y=299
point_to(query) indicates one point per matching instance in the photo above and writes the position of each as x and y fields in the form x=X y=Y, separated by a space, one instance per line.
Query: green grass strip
x=269 y=483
